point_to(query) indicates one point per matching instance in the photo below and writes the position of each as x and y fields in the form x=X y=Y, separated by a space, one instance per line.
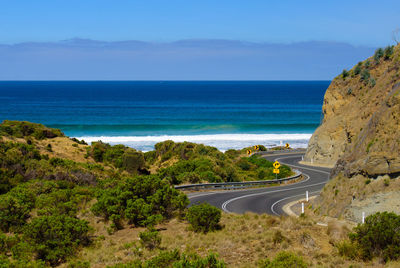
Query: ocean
x=224 y=114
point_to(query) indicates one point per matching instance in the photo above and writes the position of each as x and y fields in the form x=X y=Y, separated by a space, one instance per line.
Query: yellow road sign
x=276 y=170
x=249 y=152
x=256 y=147
x=287 y=145
x=276 y=164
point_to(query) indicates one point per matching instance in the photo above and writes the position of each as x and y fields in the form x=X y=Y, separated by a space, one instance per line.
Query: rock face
x=360 y=133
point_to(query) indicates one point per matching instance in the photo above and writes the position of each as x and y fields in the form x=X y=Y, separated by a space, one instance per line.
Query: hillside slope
x=360 y=133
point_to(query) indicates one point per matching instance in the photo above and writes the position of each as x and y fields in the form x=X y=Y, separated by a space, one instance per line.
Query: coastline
x=222 y=142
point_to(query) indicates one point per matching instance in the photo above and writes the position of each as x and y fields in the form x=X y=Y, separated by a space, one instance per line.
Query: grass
x=359 y=186
x=242 y=242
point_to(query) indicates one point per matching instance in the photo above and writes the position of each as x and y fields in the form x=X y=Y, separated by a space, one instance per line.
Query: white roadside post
x=363 y=217
x=302 y=207
x=307 y=196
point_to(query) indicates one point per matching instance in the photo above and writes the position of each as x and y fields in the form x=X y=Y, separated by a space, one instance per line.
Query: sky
x=358 y=22
x=361 y=24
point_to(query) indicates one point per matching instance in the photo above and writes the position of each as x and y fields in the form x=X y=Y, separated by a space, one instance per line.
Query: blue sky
x=357 y=22
x=225 y=39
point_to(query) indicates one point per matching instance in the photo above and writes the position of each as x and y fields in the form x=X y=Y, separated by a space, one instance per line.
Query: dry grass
x=242 y=242
x=63 y=147
x=337 y=194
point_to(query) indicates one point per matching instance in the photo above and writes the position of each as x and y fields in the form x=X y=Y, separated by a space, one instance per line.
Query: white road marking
x=273 y=205
x=224 y=205
x=276 y=191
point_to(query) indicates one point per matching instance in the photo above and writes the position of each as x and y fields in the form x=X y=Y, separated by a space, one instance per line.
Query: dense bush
x=372 y=82
x=63 y=201
x=378 y=236
x=15 y=208
x=56 y=237
x=345 y=73
x=21 y=129
x=185 y=151
x=357 y=69
x=150 y=238
x=175 y=259
x=203 y=217
x=213 y=170
x=365 y=75
x=388 y=52
x=284 y=259
x=191 y=170
x=118 y=155
x=133 y=162
x=378 y=54
x=142 y=200
x=14 y=164
x=348 y=249
x=82 y=142
x=20 y=162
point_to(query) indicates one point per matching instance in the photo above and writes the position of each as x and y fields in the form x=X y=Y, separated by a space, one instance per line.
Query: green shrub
x=388 y=52
x=231 y=153
x=244 y=164
x=345 y=74
x=133 y=161
x=78 y=141
x=365 y=75
x=194 y=260
x=62 y=201
x=98 y=150
x=175 y=259
x=118 y=155
x=378 y=54
x=203 y=217
x=21 y=129
x=379 y=236
x=357 y=69
x=386 y=182
x=143 y=200
x=150 y=238
x=284 y=259
x=348 y=249
x=163 y=259
x=79 y=264
x=372 y=82
x=56 y=237
x=15 y=208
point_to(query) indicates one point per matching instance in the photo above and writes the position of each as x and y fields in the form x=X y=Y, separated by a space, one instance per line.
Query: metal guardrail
x=291 y=151
x=236 y=184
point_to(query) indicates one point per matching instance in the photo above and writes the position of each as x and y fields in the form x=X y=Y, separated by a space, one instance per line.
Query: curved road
x=270 y=199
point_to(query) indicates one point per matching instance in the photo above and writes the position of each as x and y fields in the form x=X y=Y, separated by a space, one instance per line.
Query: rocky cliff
x=360 y=139
x=360 y=133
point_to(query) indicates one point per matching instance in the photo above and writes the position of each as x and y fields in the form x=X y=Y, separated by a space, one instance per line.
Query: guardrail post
x=302 y=207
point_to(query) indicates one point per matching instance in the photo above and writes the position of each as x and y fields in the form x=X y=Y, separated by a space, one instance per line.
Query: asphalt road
x=269 y=199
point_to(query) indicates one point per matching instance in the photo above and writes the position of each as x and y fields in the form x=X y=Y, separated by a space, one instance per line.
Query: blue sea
x=224 y=114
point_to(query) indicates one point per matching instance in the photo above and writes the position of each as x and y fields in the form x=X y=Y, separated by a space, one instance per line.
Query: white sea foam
x=221 y=141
